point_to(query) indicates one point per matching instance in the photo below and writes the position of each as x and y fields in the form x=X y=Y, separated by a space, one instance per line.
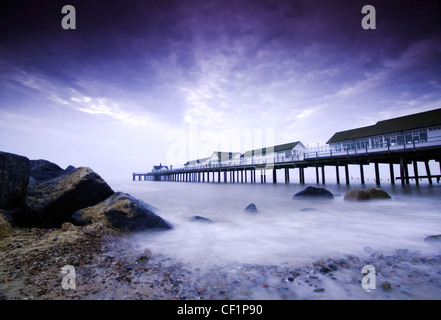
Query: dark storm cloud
x=149 y=50
x=133 y=34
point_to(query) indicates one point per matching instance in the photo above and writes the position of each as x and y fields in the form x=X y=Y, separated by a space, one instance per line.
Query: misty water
x=285 y=232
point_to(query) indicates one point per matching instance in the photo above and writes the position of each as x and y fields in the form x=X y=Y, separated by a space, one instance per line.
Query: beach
x=109 y=267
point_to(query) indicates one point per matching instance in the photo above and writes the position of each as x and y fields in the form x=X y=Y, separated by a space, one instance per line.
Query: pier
x=233 y=172
x=399 y=142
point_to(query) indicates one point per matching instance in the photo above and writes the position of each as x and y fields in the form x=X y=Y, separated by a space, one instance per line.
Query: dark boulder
x=43 y=170
x=53 y=202
x=251 y=208
x=201 y=219
x=14 y=179
x=313 y=192
x=122 y=211
x=366 y=194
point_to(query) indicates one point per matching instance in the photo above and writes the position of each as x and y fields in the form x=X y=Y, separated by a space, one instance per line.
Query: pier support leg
x=241 y=176
x=274 y=176
x=323 y=174
x=361 y=174
x=377 y=173
x=392 y=175
x=406 y=172
x=415 y=172
x=317 y=175
x=402 y=171
x=429 y=176
x=225 y=176
x=347 y=173
x=337 y=174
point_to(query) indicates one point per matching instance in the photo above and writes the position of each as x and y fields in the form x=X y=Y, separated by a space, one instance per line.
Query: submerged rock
x=53 y=202
x=366 y=194
x=434 y=238
x=124 y=212
x=14 y=178
x=201 y=219
x=314 y=192
x=251 y=208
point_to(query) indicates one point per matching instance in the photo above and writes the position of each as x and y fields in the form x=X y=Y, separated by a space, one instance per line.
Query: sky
x=138 y=83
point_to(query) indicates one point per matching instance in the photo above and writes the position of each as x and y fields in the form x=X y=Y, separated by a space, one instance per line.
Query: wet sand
x=109 y=267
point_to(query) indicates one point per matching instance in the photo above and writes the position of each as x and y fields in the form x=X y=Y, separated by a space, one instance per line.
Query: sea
x=285 y=231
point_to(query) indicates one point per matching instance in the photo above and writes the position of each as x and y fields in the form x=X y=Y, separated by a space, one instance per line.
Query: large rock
x=43 y=170
x=366 y=194
x=314 y=192
x=121 y=211
x=53 y=202
x=14 y=178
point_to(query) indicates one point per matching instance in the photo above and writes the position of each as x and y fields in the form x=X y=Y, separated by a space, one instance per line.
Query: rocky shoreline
x=51 y=218
x=109 y=267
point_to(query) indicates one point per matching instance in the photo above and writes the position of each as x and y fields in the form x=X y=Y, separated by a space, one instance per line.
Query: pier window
x=336 y=147
x=377 y=142
x=363 y=143
x=408 y=137
x=423 y=135
x=415 y=136
x=348 y=145
x=390 y=140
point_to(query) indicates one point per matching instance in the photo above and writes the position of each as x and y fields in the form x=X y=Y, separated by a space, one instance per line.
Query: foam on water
x=284 y=230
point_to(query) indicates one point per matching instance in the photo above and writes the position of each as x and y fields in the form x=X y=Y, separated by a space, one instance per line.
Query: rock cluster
x=38 y=193
x=353 y=194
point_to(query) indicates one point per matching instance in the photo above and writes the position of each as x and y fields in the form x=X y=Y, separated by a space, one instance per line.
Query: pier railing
x=381 y=148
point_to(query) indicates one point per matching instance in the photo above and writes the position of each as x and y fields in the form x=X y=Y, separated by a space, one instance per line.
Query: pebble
x=386 y=286
x=318 y=290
